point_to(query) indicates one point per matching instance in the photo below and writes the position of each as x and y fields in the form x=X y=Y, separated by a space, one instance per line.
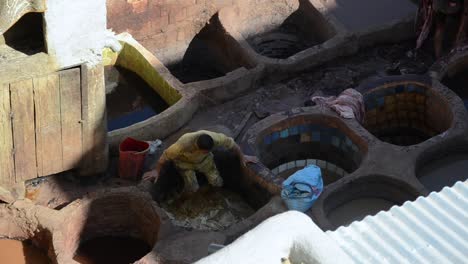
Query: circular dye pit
x=21 y=252
x=294 y=143
x=281 y=29
x=114 y=228
x=363 y=197
x=111 y=249
x=210 y=208
x=405 y=113
x=444 y=171
x=356 y=210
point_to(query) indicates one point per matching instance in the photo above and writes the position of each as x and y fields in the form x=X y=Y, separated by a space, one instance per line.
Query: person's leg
x=190 y=180
x=208 y=167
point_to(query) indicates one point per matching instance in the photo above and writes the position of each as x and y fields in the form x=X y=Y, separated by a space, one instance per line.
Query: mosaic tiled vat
x=405 y=112
x=364 y=172
x=291 y=145
x=289 y=141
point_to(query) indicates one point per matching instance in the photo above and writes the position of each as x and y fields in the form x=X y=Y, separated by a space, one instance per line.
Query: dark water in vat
x=108 y=249
x=358 y=209
x=444 y=172
x=129 y=99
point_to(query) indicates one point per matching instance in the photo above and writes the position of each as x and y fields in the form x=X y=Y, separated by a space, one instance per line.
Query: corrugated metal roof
x=432 y=229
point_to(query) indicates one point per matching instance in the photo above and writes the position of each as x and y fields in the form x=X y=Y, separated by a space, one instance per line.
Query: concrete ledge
x=291 y=234
x=225 y=88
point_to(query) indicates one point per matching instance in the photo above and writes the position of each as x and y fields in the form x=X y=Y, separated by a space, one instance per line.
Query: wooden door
x=40 y=126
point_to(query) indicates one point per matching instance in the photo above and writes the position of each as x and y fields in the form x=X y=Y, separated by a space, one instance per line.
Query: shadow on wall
x=212 y=53
x=26 y=35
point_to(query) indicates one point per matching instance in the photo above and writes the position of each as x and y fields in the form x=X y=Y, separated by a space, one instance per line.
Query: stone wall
x=165 y=27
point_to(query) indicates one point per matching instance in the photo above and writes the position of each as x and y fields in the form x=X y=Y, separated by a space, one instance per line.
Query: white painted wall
x=75 y=31
x=291 y=234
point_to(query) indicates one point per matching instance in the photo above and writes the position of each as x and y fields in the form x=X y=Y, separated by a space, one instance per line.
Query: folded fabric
x=349 y=104
x=304 y=182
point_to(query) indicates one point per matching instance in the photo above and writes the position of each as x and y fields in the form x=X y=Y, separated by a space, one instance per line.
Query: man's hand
x=250 y=159
x=151 y=176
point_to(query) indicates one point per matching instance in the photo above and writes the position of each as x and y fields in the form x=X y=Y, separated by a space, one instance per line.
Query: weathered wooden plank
x=70 y=93
x=48 y=124
x=95 y=146
x=7 y=166
x=24 y=140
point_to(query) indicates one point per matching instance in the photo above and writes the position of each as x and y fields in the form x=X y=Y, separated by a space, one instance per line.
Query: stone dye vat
x=211 y=208
x=115 y=226
x=156 y=110
x=288 y=142
x=405 y=112
x=367 y=196
x=363 y=175
x=129 y=99
x=443 y=166
x=208 y=209
x=279 y=29
x=290 y=147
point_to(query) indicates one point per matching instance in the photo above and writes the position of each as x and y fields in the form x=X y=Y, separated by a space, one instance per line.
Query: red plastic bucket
x=132 y=154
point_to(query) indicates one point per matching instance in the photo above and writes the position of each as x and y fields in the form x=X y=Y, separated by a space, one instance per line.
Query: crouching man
x=192 y=153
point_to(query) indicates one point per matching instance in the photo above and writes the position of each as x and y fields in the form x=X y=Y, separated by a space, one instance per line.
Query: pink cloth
x=424 y=21
x=349 y=104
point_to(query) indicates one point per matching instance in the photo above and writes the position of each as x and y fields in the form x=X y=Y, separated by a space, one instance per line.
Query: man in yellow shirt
x=192 y=152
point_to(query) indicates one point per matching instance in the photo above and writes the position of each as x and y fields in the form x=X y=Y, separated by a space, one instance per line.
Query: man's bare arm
x=154 y=174
x=244 y=158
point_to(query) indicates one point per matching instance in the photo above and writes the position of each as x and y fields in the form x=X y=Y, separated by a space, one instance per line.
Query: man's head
x=205 y=142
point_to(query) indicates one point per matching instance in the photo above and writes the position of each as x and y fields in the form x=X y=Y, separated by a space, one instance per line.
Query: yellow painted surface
x=130 y=58
x=109 y=57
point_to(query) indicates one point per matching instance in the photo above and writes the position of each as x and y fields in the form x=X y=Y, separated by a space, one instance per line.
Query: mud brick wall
x=165 y=27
